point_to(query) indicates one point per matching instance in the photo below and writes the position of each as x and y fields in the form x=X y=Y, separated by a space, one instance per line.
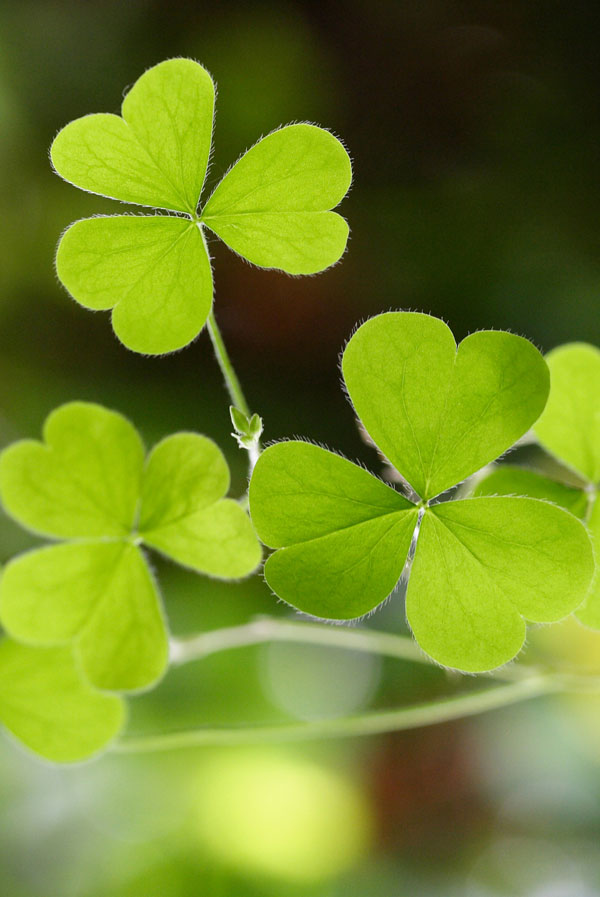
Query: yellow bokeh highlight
x=286 y=817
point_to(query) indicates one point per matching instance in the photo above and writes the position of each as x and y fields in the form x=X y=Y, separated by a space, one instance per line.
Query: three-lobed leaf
x=273 y=207
x=343 y=537
x=88 y=482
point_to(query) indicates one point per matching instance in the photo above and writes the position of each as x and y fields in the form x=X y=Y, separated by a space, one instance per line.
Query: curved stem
x=230 y=377
x=269 y=629
x=373 y=723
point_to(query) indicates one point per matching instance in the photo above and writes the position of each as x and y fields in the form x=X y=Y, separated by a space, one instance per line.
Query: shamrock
x=439 y=413
x=88 y=483
x=569 y=429
x=273 y=207
x=48 y=707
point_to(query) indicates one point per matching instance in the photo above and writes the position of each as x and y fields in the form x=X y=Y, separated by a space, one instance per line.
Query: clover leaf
x=88 y=482
x=481 y=566
x=273 y=207
x=48 y=707
x=569 y=429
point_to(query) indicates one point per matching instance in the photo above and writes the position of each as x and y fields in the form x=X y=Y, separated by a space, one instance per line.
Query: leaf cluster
x=476 y=569
x=90 y=485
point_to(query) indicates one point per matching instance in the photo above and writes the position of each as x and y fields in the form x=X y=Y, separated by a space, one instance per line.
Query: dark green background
x=474 y=130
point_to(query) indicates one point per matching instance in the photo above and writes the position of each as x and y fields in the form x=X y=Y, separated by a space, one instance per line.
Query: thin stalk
x=373 y=723
x=230 y=377
x=269 y=629
x=234 y=388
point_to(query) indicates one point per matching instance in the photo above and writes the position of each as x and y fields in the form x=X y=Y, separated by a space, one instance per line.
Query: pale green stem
x=526 y=683
x=229 y=375
x=236 y=393
x=373 y=723
x=269 y=629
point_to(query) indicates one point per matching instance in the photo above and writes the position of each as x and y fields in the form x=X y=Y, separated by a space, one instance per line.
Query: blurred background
x=474 y=129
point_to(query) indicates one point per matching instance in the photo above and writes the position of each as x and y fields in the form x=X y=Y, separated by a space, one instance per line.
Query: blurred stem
x=234 y=388
x=269 y=629
x=523 y=683
x=373 y=723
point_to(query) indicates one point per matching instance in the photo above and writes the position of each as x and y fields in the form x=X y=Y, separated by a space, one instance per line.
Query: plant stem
x=269 y=629
x=373 y=723
x=236 y=393
x=232 y=383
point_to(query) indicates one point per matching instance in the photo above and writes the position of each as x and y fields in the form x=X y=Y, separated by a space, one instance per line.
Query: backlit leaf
x=482 y=566
x=589 y=612
x=346 y=534
x=46 y=704
x=570 y=424
x=273 y=207
x=153 y=271
x=439 y=414
x=100 y=593
x=82 y=481
x=183 y=512
x=156 y=154
x=509 y=480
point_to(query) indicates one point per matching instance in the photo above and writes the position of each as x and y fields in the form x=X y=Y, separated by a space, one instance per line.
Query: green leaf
x=124 y=647
x=153 y=271
x=49 y=708
x=440 y=414
x=98 y=592
x=589 y=612
x=570 y=426
x=83 y=481
x=482 y=566
x=273 y=206
x=345 y=534
x=183 y=512
x=509 y=480
x=239 y=420
x=157 y=153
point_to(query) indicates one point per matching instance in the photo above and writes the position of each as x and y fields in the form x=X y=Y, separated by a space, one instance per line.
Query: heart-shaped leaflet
x=273 y=207
x=438 y=413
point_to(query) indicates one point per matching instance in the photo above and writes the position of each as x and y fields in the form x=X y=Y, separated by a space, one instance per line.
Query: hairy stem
x=230 y=377
x=373 y=723
x=236 y=393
